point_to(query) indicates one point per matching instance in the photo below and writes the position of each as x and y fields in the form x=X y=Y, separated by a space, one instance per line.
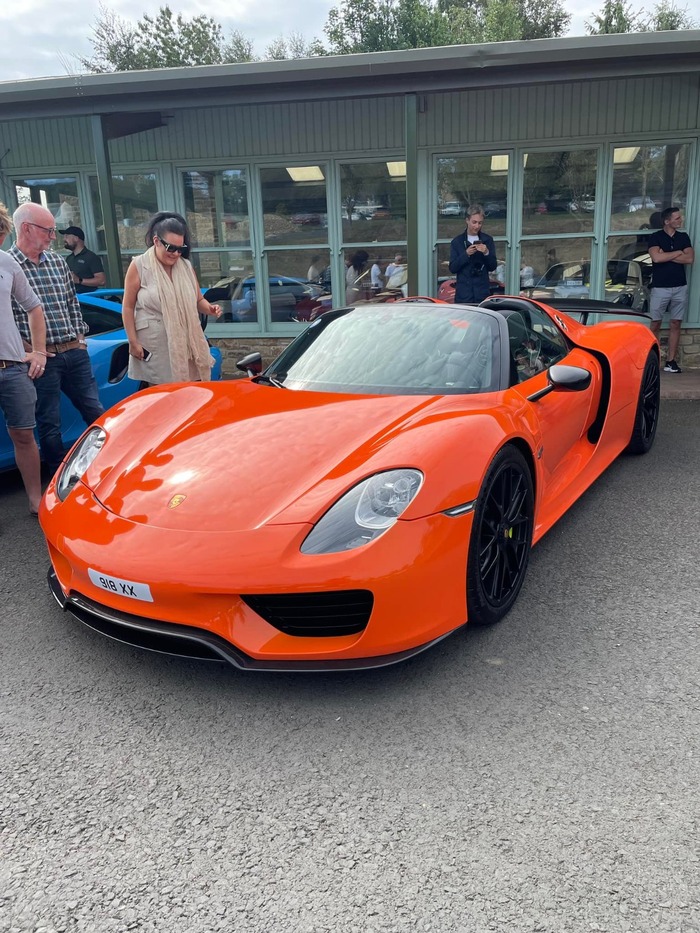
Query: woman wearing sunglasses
x=161 y=307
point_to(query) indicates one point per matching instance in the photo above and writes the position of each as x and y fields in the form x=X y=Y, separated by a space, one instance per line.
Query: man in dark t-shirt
x=671 y=251
x=86 y=266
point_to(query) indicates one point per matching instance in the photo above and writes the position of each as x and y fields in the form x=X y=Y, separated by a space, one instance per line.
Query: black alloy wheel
x=499 y=550
x=646 y=419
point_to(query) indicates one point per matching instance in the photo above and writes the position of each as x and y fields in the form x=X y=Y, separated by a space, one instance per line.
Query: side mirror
x=569 y=378
x=562 y=378
x=251 y=364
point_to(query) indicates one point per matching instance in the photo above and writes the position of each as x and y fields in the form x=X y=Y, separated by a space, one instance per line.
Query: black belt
x=5 y=363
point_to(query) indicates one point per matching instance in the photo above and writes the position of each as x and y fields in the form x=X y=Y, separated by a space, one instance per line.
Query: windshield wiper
x=270 y=379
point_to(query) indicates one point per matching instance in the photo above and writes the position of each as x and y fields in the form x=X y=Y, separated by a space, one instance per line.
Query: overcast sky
x=38 y=36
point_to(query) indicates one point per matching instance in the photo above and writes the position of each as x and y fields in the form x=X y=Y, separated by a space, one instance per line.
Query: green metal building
x=285 y=169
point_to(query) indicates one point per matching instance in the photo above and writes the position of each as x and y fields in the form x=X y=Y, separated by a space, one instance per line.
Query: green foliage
x=383 y=25
x=667 y=15
x=163 y=41
x=295 y=46
x=617 y=16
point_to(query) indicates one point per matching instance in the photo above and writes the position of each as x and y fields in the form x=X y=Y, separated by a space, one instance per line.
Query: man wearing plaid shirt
x=68 y=366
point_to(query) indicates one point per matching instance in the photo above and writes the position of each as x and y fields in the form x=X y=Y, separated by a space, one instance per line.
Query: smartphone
x=146 y=354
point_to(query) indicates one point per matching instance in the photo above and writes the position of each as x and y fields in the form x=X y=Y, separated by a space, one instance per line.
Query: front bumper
x=190 y=642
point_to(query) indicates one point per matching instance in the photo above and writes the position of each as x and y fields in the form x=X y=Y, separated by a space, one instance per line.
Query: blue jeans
x=71 y=373
x=17 y=396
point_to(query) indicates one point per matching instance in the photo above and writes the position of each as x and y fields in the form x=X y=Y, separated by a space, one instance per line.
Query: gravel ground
x=538 y=776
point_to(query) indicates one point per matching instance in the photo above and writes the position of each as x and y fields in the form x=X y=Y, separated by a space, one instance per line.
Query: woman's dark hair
x=167 y=222
x=359 y=260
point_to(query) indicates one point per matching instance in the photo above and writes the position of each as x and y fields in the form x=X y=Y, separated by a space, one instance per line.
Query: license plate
x=121 y=587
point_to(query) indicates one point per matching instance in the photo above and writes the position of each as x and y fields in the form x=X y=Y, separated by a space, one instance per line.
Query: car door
x=564 y=417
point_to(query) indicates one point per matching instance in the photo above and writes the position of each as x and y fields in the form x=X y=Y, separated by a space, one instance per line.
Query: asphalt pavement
x=537 y=776
x=685 y=385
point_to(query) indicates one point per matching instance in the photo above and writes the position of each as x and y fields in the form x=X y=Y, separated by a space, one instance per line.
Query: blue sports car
x=109 y=354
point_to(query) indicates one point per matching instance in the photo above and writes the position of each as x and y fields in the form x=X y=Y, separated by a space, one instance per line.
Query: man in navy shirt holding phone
x=472 y=257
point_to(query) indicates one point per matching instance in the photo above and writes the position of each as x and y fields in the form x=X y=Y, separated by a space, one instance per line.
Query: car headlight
x=78 y=462
x=365 y=512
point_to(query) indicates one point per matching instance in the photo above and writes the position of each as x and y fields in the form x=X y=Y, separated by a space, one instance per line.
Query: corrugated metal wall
x=595 y=110
x=313 y=127
x=37 y=144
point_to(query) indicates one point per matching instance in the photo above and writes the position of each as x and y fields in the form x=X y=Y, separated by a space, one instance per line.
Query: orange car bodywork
x=206 y=492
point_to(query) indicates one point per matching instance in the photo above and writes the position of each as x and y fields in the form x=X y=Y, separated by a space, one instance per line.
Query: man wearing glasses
x=68 y=366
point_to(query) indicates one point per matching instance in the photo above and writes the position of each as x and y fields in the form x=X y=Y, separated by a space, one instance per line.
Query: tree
x=617 y=16
x=163 y=41
x=294 y=46
x=383 y=25
x=667 y=15
x=500 y=20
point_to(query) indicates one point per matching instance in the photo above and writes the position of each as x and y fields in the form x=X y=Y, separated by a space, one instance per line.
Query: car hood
x=237 y=456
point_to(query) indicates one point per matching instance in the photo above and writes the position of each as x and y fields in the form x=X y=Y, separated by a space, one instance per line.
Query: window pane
x=373 y=272
x=58 y=195
x=294 y=208
x=560 y=268
x=629 y=271
x=216 y=205
x=559 y=190
x=135 y=202
x=231 y=275
x=647 y=179
x=373 y=201
x=298 y=284
x=480 y=180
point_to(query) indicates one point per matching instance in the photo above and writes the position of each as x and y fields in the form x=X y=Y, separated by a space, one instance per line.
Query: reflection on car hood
x=241 y=455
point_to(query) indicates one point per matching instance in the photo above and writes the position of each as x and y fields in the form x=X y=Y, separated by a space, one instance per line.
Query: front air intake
x=316 y=615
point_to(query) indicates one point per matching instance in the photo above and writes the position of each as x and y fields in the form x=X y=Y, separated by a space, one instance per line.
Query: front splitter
x=188 y=641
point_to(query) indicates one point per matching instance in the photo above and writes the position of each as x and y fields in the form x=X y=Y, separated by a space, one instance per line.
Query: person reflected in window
x=315 y=269
x=357 y=281
x=376 y=277
x=472 y=258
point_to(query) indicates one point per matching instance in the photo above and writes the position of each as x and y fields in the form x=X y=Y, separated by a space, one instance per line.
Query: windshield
x=394 y=349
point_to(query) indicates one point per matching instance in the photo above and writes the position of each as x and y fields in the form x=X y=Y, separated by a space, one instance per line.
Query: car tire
x=501 y=538
x=646 y=418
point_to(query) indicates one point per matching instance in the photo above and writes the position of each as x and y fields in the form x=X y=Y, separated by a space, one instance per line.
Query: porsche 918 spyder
x=371 y=491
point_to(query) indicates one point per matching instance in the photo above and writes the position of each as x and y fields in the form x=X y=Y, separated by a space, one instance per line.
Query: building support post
x=411 y=144
x=115 y=277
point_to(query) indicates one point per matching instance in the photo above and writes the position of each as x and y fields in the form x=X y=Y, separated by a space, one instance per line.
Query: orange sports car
x=374 y=489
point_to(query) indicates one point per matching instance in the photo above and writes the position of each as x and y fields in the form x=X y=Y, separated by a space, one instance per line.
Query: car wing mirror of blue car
x=251 y=364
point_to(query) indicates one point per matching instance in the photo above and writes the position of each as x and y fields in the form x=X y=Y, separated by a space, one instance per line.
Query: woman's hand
x=213 y=310
x=135 y=350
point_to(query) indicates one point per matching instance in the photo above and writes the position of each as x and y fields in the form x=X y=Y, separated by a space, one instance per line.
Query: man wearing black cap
x=85 y=265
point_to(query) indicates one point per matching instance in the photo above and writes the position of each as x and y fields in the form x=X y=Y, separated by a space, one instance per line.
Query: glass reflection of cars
x=642 y=204
x=624 y=283
x=451 y=209
x=290 y=299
